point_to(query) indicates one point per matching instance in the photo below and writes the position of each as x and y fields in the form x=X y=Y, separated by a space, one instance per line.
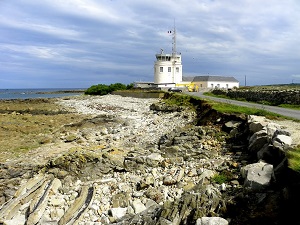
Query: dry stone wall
x=275 y=97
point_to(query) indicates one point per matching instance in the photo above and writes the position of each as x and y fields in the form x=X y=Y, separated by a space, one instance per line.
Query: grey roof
x=190 y=79
x=214 y=78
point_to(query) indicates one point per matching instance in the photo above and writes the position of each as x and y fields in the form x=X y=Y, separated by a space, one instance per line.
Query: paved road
x=282 y=111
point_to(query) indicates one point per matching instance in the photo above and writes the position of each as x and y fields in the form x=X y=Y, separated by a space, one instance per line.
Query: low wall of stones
x=268 y=144
x=275 y=97
x=269 y=176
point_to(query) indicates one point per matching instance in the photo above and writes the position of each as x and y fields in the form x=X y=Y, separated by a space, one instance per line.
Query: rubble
x=140 y=166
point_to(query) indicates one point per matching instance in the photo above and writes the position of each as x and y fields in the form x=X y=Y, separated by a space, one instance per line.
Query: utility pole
x=245 y=80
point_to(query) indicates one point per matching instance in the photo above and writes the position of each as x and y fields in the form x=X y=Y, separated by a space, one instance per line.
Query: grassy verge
x=182 y=99
x=185 y=100
x=235 y=109
x=178 y=99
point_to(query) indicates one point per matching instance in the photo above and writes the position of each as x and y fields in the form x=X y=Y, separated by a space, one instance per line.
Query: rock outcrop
x=154 y=165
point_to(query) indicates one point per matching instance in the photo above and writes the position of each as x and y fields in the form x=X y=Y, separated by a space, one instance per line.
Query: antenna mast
x=174 y=52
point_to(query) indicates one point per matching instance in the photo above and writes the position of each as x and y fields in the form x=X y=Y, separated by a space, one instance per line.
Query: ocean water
x=39 y=93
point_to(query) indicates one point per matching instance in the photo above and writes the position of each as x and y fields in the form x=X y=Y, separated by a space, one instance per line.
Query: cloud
x=82 y=42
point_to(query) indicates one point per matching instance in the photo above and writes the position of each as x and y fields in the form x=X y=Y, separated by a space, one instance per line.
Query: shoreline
x=62 y=91
x=6 y=94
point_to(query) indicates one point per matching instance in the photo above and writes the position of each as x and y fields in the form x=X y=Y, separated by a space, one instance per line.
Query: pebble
x=138 y=129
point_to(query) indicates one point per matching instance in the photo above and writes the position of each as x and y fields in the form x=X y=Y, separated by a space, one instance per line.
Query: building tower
x=168 y=67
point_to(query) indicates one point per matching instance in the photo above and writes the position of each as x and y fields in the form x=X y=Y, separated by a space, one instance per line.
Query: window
x=161 y=69
x=177 y=69
x=169 y=69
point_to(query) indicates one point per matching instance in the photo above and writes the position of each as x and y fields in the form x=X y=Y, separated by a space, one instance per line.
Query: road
x=295 y=114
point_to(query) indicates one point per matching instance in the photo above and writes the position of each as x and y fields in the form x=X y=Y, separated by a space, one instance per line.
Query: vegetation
x=185 y=100
x=103 y=89
x=293 y=86
x=266 y=100
x=182 y=99
x=178 y=99
x=223 y=177
x=294 y=158
x=235 y=109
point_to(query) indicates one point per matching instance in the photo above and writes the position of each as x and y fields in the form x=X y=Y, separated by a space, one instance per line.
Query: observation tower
x=168 y=67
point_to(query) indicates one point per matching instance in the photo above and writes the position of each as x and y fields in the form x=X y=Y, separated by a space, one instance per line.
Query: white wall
x=218 y=84
x=168 y=76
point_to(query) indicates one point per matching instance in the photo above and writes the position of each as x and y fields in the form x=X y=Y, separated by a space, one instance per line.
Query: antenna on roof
x=174 y=52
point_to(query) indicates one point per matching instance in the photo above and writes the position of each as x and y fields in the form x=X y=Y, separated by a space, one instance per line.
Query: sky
x=79 y=43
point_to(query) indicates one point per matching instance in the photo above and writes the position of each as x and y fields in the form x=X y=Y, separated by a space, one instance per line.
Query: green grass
x=185 y=100
x=288 y=106
x=220 y=178
x=297 y=107
x=294 y=159
x=235 y=109
x=223 y=177
x=178 y=99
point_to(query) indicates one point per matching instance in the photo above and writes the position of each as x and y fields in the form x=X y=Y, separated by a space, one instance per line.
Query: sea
x=39 y=93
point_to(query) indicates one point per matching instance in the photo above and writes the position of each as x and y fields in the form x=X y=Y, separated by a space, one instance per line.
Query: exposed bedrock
x=154 y=165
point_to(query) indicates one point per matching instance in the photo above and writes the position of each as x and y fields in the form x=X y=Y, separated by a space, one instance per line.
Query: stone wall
x=270 y=187
x=275 y=97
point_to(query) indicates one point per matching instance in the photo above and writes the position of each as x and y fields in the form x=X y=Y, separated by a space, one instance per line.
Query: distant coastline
x=61 y=92
x=7 y=94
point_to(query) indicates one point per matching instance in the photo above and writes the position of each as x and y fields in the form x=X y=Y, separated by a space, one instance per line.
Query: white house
x=215 y=82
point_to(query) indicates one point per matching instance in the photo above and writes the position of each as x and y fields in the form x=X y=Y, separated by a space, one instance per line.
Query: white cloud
x=256 y=38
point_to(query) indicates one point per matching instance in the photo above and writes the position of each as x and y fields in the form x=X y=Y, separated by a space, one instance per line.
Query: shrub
x=102 y=89
x=117 y=86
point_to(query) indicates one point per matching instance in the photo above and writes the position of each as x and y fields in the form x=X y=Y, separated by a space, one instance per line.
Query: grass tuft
x=294 y=158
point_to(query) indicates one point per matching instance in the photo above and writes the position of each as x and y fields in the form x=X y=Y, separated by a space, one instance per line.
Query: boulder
x=282 y=141
x=256 y=123
x=257 y=175
x=211 y=221
x=258 y=140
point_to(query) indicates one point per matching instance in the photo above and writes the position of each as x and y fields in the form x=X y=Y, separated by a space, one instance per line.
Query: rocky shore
x=138 y=161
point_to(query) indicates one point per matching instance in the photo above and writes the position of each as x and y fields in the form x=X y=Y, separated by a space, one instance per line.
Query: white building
x=167 y=69
x=212 y=82
x=168 y=73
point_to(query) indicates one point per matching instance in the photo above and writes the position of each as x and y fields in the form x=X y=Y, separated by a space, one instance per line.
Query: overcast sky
x=79 y=43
